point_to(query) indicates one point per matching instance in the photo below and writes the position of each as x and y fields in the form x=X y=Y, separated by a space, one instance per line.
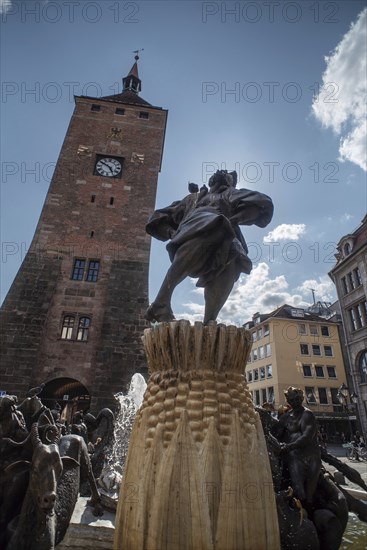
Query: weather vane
x=136 y=52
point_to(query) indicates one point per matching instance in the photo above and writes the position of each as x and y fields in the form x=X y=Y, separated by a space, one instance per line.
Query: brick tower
x=74 y=314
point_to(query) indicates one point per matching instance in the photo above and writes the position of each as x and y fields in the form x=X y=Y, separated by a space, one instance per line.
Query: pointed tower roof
x=134 y=69
x=131 y=86
x=132 y=81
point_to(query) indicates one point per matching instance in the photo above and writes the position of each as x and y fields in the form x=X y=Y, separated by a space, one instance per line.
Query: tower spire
x=132 y=81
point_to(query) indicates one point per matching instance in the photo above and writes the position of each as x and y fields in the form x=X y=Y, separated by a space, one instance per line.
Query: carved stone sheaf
x=197 y=473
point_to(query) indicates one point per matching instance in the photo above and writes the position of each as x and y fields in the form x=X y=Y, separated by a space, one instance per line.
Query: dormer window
x=347 y=249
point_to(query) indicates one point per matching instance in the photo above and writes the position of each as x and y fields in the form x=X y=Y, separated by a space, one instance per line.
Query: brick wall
x=23 y=321
x=73 y=225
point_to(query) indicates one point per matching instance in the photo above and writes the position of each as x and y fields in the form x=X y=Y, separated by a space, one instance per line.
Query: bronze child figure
x=206 y=241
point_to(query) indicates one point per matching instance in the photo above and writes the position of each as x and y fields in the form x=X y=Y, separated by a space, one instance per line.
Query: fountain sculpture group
x=200 y=474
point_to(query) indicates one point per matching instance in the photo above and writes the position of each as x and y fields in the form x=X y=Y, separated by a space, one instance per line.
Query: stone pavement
x=86 y=532
x=361 y=467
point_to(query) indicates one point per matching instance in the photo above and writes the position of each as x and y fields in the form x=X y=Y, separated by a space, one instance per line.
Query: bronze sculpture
x=206 y=241
x=312 y=507
x=297 y=430
x=40 y=476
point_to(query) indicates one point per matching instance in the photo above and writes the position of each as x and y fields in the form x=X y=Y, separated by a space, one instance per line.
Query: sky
x=273 y=89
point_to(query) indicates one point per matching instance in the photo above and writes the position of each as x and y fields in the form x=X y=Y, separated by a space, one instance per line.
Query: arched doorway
x=68 y=393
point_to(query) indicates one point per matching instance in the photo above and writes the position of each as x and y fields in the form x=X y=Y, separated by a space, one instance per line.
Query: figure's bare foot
x=159 y=313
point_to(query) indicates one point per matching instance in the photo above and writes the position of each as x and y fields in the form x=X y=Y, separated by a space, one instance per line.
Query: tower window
x=112 y=200
x=95 y=107
x=91 y=234
x=143 y=114
x=67 y=327
x=120 y=111
x=93 y=198
x=83 y=329
x=82 y=323
x=93 y=270
x=78 y=270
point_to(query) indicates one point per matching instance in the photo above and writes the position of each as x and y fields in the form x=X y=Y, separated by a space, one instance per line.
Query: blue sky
x=239 y=80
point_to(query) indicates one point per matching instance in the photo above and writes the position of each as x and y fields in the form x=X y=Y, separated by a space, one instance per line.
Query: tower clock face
x=109 y=167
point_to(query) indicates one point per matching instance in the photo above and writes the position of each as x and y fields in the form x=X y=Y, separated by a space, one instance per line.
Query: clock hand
x=108 y=166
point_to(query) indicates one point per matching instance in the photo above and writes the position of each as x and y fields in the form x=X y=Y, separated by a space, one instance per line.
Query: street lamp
x=343 y=390
x=342 y=396
x=354 y=398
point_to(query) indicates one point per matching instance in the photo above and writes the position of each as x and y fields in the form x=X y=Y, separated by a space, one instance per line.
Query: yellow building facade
x=294 y=347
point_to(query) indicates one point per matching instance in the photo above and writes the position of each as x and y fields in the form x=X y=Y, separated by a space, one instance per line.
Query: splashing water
x=354 y=537
x=129 y=404
x=111 y=475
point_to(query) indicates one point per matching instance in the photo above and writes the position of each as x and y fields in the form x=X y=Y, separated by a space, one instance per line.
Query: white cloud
x=324 y=289
x=340 y=105
x=346 y=217
x=286 y=232
x=353 y=146
x=5 y=6
x=252 y=293
x=194 y=312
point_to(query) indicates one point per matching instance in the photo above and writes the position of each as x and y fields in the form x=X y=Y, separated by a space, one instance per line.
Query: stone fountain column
x=197 y=474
